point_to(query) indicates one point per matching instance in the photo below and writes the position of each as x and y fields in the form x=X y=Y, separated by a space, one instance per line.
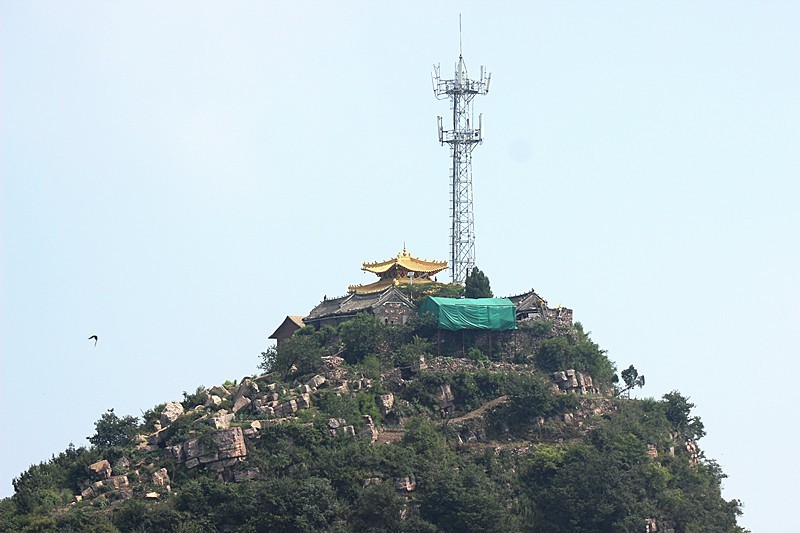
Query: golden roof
x=383 y=284
x=406 y=261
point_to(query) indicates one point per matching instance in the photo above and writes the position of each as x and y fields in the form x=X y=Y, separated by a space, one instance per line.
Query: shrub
x=361 y=336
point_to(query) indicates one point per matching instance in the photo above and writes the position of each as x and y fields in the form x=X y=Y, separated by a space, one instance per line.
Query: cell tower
x=462 y=140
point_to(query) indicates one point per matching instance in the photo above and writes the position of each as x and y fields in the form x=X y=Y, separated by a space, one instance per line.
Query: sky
x=177 y=177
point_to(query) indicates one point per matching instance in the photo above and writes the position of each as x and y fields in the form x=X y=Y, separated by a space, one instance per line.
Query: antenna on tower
x=460 y=49
x=462 y=140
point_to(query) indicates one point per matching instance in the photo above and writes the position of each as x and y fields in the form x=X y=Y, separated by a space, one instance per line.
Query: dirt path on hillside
x=477 y=412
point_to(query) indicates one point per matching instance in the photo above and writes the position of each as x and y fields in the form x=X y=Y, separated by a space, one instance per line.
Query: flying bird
x=95 y=339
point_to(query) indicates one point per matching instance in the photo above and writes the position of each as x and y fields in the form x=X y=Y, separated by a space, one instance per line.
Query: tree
x=297 y=355
x=361 y=336
x=632 y=379
x=477 y=285
x=677 y=409
x=112 y=430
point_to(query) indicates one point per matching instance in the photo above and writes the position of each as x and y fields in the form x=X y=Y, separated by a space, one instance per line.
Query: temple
x=398 y=271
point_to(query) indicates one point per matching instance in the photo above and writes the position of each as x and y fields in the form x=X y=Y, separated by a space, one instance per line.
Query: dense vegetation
x=536 y=460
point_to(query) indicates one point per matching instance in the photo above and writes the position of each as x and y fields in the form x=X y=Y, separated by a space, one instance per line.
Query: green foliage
x=476 y=285
x=296 y=356
x=371 y=367
x=409 y=354
x=592 y=473
x=83 y=521
x=45 y=486
x=185 y=428
x=539 y=328
x=631 y=378
x=677 y=410
x=198 y=397
x=150 y=417
x=141 y=517
x=475 y=354
x=464 y=500
x=112 y=430
x=377 y=509
x=361 y=336
x=420 y=291
x=553 y=355
x=578 y=352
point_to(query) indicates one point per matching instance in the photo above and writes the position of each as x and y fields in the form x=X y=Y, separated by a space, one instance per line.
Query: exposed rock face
x=101 y=469
x=385 y=403
x=241 y=404
x=369 y=431
x=573 y=381
x=161 y=479
x=222 y=420
x=114 y=483
x=171 y=413
x=222 y=392
x=337 y=428
x=405 y=484
x=316 y=381
x=247 y=389
x=122 y=464
x=446 y=397
x=226 y=447
x=213 y=401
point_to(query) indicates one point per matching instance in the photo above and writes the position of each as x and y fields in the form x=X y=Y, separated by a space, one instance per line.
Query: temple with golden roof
x=398 y=271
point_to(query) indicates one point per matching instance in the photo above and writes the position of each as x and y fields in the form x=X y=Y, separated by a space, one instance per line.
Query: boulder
x=213 y=401
x=101 y=469
x=221 y=421
x=175 y=453
x=369 y=430
x=247 y=389
x=230 y=443
x=244 y=475
x=241 y=404
x=152 y=496
x=122 y=464
x=445 y=396
x=116 y=482
x=405 y=484
x=316 y=381
x=385 y=403
x=171 y=413
x=161 y=479
x=222 y=392
x=652 y=451
x=304 y=401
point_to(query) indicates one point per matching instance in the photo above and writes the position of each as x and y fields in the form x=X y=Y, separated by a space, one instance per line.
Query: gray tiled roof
x=354 y=303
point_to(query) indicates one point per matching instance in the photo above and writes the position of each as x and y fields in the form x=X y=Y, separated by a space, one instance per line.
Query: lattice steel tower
x=462 y=140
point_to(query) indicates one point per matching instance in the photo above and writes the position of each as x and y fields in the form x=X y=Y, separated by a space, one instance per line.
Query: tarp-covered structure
x=454 y=314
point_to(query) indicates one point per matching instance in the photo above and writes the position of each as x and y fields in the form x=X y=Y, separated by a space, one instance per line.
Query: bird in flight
x=95 y=339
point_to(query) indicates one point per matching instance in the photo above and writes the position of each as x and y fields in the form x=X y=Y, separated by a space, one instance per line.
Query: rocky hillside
x=368 y=427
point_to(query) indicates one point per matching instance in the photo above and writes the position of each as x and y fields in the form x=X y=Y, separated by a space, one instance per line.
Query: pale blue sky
x=178 y=176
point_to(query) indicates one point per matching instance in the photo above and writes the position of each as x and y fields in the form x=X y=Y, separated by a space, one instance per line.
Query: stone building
x=531 y=306
x=287 y=328
x=390 y=306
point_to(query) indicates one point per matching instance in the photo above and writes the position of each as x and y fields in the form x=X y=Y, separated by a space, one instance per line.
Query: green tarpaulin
x=453 y=314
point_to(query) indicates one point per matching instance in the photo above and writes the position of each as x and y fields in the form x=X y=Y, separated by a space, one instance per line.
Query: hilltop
x=373 y=426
